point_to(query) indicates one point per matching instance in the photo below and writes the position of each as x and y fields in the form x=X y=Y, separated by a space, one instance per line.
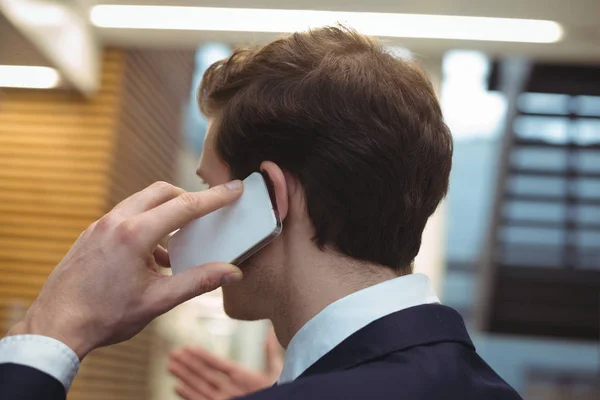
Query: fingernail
x=231 y=278
x=234 y=185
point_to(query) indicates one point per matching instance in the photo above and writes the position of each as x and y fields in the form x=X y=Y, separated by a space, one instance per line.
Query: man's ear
x=279 y=186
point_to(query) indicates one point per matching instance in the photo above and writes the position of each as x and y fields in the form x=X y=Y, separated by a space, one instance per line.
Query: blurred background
x=97 y=100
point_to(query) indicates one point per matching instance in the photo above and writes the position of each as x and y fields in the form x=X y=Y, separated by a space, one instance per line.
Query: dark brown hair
x=360 y=129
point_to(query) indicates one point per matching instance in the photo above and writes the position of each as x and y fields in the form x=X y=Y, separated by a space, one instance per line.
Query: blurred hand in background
x=206 y=376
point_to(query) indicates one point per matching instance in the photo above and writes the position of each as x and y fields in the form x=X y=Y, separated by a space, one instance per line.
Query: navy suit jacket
x=421 y=353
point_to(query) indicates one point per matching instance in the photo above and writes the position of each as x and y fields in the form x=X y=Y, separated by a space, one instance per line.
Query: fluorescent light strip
x=369 y=23
x=27 y=76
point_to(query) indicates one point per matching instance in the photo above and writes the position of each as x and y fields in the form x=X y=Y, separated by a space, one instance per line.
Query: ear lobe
x=279 y=185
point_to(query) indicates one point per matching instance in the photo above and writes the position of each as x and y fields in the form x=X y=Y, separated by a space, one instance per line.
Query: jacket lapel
x=415 y=326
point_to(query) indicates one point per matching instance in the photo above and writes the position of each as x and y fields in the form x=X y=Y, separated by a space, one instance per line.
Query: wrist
x=32 y=326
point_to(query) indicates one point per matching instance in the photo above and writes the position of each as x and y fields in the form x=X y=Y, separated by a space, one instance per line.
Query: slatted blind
x=64 y=161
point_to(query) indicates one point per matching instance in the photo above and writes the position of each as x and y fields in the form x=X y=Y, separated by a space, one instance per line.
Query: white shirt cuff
x=43 y=353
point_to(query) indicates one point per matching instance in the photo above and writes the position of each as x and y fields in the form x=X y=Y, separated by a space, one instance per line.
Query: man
x=359 y=155
x=360 y=158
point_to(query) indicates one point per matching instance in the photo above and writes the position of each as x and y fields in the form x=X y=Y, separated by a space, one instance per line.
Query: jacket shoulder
x=445 y=371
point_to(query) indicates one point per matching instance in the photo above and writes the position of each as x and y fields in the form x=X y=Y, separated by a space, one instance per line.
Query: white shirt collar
x=349 y=314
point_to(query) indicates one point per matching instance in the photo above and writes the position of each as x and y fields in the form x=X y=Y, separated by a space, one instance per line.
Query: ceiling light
x=26 y=76
x=369 y=23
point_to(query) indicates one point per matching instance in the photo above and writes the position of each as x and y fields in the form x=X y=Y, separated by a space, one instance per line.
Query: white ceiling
x=15 y=49
x=53 y=33
x=580 y=19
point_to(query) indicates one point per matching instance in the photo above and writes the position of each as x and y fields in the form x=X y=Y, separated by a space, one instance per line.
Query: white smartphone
x=231 y=234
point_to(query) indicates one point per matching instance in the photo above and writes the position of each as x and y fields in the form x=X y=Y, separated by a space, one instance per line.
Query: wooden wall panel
x=64 y=161
x=55 y=157
x=155 y=90
x=148 y=139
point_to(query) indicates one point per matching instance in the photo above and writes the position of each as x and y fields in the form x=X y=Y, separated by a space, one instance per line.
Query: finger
x=201 y=371
x=161 y=256
x=196 y=387
x=187 y=393
x=148 y=198
x=153 y=225
x=211 y=360
x=199 y=391
x=242 y=380
x=170 y=291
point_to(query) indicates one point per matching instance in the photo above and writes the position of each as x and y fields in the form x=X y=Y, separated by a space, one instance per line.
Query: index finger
x=153 y=225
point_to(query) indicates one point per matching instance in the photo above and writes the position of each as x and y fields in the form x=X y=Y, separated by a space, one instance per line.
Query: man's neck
x=314 y=285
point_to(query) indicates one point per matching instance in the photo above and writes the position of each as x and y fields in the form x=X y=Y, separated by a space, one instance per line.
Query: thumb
x=176 y=289
x=274 y=355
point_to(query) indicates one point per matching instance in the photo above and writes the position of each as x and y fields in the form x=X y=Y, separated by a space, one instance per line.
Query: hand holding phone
x=231 y=234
